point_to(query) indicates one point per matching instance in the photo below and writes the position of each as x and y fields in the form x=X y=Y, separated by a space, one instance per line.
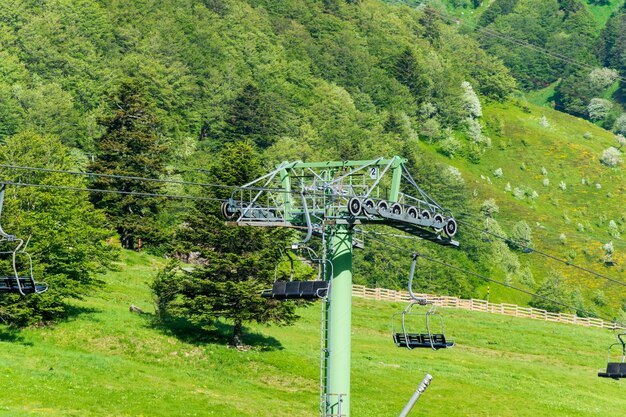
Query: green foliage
x=552 y=289
x=131 y=146
x=67 y=236
x=497 y=9
x=521 y=235
x=563 y=27
x=237 y=262
x=165 y=287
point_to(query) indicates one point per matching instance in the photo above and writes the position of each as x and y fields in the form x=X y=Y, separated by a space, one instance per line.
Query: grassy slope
x=601 y=13
x=521 y=150
x=109 y=362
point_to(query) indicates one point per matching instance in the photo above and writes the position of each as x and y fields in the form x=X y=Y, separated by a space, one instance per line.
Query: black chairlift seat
x=615 y=370
x=10 y=285
x=290 y=290
x=422 y=340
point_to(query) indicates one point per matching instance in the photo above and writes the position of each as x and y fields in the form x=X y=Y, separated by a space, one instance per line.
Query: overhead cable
x=97 y=190
x=495 y=281
x=522 y=43
x=547 y=255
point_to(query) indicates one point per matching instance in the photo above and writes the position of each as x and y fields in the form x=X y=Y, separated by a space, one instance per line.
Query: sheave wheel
x=229 y=212
x=450 y=228
x=354 y=206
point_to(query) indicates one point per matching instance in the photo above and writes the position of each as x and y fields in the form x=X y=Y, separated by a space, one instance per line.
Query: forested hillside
x=566 y=54
x=83 y=83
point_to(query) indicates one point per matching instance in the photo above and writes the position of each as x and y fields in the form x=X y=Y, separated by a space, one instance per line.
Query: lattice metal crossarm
x=307 y=195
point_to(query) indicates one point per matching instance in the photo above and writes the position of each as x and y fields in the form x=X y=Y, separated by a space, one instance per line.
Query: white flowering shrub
x=507 y=187
x=519 y=193
x=534 y=195
x=598 y=186
x=580 y=227
x=489 y=207
x=471 y=102
x=587 y=135
x=621 y=140
x=608 y=252
x=498 y=173
x=544 y=171
x=620 y=125
x=599 y=108
x=611 y=157
x=546 y=182
x=613 y=229
x=563 y=238
x=562 y=185
x=601 y=78
x=455 y=175
x=475 y=133
x=543 y=122
x=521 y=235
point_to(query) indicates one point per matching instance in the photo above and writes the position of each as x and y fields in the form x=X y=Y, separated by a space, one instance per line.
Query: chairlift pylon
x=20 y=280
x=410 y=339
x=616 y=369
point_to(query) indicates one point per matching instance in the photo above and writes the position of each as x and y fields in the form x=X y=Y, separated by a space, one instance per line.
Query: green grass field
x=582 y=212
x=106 y=361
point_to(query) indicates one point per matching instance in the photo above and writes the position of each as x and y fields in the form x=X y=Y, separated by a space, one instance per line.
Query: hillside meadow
x=106 y=361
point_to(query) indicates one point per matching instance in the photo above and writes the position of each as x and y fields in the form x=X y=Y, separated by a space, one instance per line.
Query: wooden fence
x=480 y=305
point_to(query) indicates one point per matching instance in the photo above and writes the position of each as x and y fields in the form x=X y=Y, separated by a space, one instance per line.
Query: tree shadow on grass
x=73 y=312
x=188 y=332
x=13 y=335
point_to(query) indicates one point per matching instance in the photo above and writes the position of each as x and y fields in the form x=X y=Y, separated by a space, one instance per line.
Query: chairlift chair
x=408 y=337
x=411 y=339
x=294 y=289
x=616 y=369
x=18 y=280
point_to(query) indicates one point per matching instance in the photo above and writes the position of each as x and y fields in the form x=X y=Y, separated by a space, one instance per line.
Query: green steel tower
x=327 y=200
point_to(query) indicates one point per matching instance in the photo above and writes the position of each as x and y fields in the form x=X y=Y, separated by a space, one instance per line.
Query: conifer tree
x=238 y=262
x=131 y=146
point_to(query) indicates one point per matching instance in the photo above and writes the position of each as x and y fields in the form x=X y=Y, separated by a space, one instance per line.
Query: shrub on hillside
x=450 y=147
x=521 y=235
x=471 y=102
x=551 y=294
x=611 y=157
x=614 y=229
x=621 y=140
x=489 y=207
x=598 y=108
x=620 y=125
x=608 y=253
x=601 y=78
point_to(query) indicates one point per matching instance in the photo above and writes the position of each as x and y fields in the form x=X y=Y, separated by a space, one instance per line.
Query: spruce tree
x=237 y=262
x=66 y=236
x=131 y=146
